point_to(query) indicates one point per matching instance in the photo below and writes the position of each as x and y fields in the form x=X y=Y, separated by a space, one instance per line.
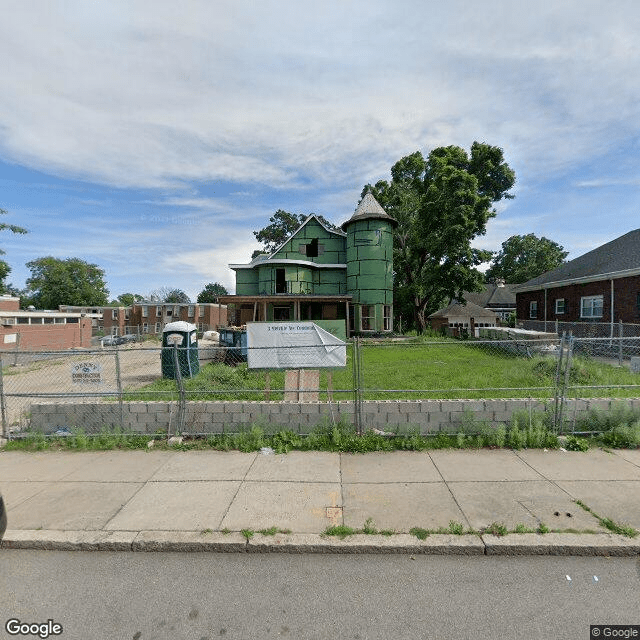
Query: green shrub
x=573 y=443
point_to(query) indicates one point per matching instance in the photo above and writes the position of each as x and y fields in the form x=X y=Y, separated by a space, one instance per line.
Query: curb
x=557 y=544
x=561 y=544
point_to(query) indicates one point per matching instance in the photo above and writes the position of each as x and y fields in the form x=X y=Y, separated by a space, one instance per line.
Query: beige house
x=456 y=318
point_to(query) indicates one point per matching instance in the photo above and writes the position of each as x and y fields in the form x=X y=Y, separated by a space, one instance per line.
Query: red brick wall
x=626 y=291
x=48 y=337
x=9 y=304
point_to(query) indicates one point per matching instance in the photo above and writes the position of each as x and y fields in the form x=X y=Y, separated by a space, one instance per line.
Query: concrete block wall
x=429 y=416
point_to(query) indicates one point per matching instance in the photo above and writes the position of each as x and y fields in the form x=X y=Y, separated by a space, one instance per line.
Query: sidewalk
x=203 y=500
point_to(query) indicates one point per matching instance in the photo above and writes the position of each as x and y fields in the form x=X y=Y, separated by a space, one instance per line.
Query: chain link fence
x=585 y=329
x=125 y=378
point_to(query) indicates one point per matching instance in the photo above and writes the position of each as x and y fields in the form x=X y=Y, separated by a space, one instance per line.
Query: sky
x=152 y=138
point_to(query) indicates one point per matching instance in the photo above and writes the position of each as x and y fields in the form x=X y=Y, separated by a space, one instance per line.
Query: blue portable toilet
x=184 y=337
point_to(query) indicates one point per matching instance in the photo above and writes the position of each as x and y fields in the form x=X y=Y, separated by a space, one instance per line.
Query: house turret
x=370 y=265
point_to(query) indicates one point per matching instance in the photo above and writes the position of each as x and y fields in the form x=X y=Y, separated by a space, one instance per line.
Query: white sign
x=10 y=337
x=175 y=339
x=86 y=373
x=293 y=345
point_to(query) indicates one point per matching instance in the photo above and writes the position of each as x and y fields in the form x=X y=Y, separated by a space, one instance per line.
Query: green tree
x=5 y=269
x=442 y=203
x=169 y=294
x=127 y=300
x=211 y=292
x=282 y=225
x=525 y=257
x=70 y=281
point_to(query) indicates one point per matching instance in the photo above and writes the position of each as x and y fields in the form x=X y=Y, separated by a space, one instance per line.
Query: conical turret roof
x=369 y=209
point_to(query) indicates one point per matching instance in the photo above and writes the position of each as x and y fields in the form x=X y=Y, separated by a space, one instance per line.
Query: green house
x=337 y=277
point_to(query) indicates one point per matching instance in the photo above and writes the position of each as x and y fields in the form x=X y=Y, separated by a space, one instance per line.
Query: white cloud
x=145 y=95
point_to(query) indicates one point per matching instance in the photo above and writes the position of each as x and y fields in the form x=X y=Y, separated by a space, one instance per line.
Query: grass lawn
x=418 y=369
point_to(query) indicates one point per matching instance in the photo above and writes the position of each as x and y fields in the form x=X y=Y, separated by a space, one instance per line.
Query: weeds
x=340 y=530
x=247 y=533
x=574 y=443
x=419 y=532
x=609 y=524
x=496 y=529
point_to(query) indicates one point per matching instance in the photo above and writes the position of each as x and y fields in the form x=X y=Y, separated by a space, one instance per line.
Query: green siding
x=246 y=282
x=332 y=244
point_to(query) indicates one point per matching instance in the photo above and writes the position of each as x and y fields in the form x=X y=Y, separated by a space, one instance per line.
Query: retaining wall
x=217 y=417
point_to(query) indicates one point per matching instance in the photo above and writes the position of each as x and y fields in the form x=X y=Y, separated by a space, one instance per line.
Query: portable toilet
x=184 y=337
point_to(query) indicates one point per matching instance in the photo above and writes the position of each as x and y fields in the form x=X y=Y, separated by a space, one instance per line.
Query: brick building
x=601 y=286
x=41 y=330
x=150 y=317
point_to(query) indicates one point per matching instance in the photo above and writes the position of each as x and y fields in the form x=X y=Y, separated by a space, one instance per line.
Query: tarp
x=293 y=345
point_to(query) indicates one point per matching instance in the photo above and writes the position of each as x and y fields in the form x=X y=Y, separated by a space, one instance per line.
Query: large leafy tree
x=5 y=269
x=127 y=299
x=169 y=294
x=211 y=292
x=442 y=203
x=70 y=281
x=525 y=257
x=282 y=225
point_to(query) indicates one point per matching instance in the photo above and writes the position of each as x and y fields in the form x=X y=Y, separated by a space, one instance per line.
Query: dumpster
x=184 y=337
x=235 y=341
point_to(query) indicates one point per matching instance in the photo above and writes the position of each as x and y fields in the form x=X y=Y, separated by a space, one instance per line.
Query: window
x=281 y=283
x=114 y=314
x=281 y=313
x=559 y=306
x=145 y=327
x=127 y=314
x=158 y=327
x=23 y=320
x=192 y=311
x=352 y=315
x=367 y=317
x=591 y=307
x=145 y=311
x=387 y=317
x=201 y=311
x=533 y=309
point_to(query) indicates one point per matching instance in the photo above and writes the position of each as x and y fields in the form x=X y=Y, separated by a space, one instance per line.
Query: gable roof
x=369 y=209
x=458 y=309
x=308 y=219
x=493 y=295
x=615 y=259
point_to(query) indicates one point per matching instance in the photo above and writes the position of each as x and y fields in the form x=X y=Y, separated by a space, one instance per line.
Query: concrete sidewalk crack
x=235 y=495
x=142 y=486
x=446 y=484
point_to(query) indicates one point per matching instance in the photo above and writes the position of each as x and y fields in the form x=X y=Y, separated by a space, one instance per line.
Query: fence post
x=556 y=381
x=15 y=355
x=620 y=331
x=119 y=385
x=181 y=392
x=357 y=398
x=3 y=407
x=567 y=373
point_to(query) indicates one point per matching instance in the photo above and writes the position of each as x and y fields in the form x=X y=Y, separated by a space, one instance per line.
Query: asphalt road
x=144 y=596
